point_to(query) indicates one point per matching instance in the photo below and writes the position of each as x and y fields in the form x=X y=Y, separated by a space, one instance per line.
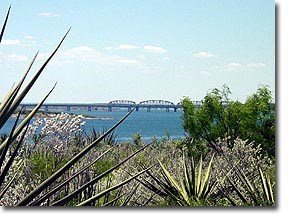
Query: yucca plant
x=192 y=188
x=53 y=185
x=241 y=175
x=258 y=190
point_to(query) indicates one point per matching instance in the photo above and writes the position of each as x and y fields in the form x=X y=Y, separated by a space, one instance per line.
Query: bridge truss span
x=126 y=102
x=115 y=104
x=156 y=102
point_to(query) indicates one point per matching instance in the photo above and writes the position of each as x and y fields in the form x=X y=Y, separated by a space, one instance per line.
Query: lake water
x=157 y=123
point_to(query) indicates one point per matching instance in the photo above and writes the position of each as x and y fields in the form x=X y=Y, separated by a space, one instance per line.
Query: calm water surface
x=156 y=123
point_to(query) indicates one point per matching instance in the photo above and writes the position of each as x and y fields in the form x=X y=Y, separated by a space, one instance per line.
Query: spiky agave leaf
x=103 y=193
x=25 y=121
x=266 y=188
x=24 y=92
x=192 y=188
x=205 y=183
x=4 y=24
x=4 y=151
x=255 y=196
x=52 y=191
x=9 y=183
x=11 y=157
x=69 y=197
x=6 y=107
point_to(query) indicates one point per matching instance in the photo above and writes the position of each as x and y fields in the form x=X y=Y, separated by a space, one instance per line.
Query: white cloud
x=89 y=55
x=203 y=55
x=30 y=37
x=126 y=61
x=154 y=49
x=79 y=50
x=16 y=57
x=255 y=65
x=9 y=42
x=147 y=48
x=81 y=53
x=127 y=46
x=30 y=41
x=206 y=73
x=122 y=47
x=49 y=14
x=109 y=48
x=234 y=66
x=12 y=58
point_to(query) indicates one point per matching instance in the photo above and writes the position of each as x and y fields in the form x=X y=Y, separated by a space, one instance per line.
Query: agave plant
x=257 y=191
x=192 y=188
x=53 y=184
x=241 y=175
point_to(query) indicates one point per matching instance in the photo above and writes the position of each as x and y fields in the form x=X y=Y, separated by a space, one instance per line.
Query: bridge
x=115 y=104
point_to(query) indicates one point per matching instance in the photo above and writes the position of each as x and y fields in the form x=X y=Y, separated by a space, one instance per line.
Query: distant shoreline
x=44 y=114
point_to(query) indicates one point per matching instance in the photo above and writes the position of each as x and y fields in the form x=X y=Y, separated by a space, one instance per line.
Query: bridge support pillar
x=46 y=109
x=129 y=109
x=148 y=109
x=167 y=109
x=68 y=108
x=137 y=109
x=109 y=109
x=175 y=109
x=89 y=108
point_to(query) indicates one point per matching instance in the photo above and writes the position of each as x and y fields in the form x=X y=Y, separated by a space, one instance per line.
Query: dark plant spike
x=12 y=157
x=151 y=186
x=249 y=186
x=119 y=193
x=6 y=98
x=66 y=199
x=233 y=203
x=113 y=201
x=244 y=200
x=33 y=80
x=4 y=151
x=108 y=185
x=58 y=187
x=9 y=183
x=4 y=25
x=149 y=200
x=6 y=109
x=163 y=188
x=130 y=195
x=103 y=193
x=70 y=163
x=26 y=120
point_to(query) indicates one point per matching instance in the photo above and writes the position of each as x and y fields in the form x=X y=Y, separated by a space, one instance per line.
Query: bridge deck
x=108 y=106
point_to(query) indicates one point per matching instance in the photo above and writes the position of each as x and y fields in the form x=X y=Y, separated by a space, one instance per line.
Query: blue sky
x=140 y=50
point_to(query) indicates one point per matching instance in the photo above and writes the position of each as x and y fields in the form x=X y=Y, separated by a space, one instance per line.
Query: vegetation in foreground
x=227 y=158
